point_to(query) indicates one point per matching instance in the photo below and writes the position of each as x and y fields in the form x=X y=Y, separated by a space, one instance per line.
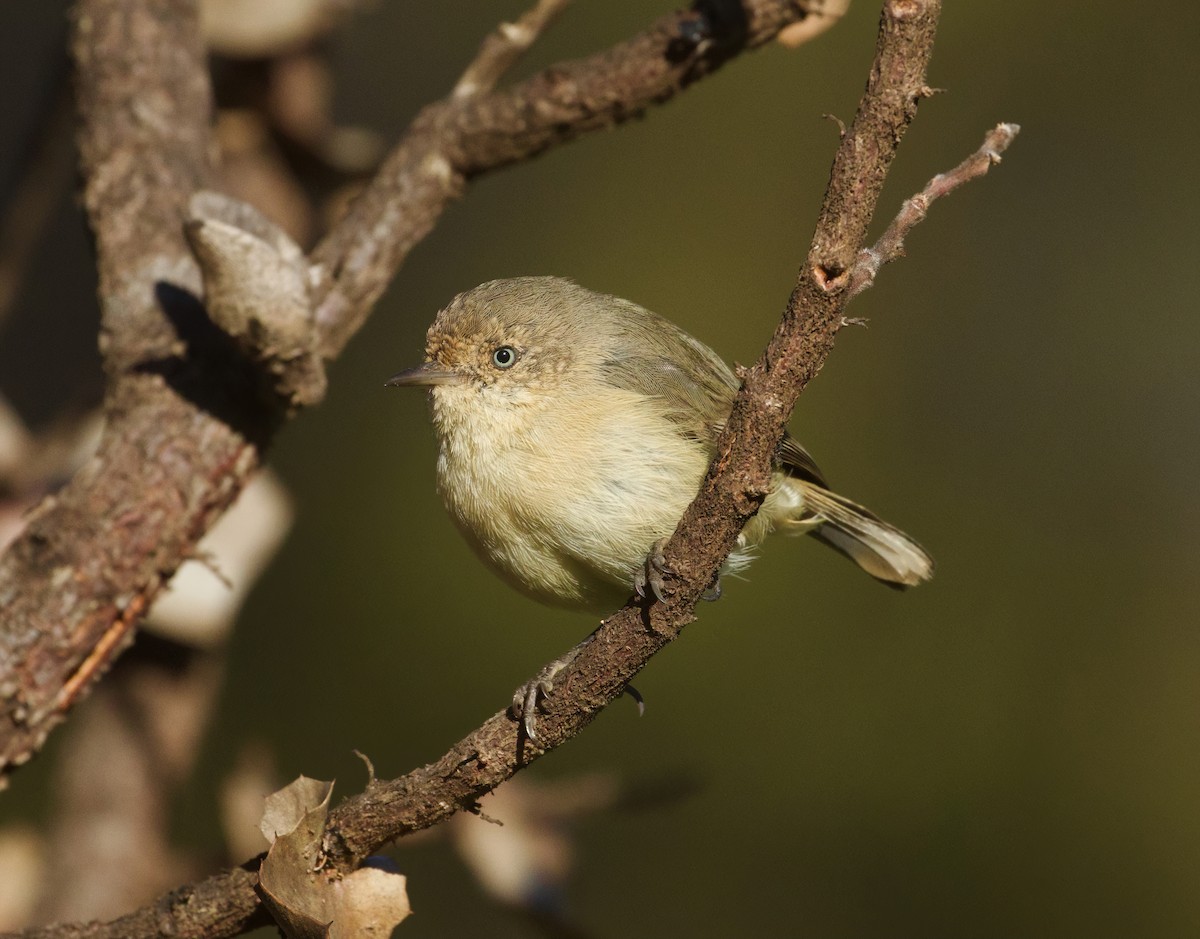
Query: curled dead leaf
x=309 y=903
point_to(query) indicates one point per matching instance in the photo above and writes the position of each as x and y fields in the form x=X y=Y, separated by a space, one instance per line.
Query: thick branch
x=185 y=422
x=74 y=583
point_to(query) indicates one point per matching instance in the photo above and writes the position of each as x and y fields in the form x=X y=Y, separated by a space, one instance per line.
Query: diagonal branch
x=890 y=245
x=185 y=422
x=503 y=48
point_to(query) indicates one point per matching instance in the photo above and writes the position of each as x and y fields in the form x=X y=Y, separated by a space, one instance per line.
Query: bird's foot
x=527 y=700
x=649 y=577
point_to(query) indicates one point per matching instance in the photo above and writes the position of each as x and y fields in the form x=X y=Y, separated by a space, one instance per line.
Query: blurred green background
x=1013 y=750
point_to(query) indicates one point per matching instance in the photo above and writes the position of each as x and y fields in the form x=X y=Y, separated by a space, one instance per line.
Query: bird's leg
x=527 y=699
x=648 y=580
x=650 y=574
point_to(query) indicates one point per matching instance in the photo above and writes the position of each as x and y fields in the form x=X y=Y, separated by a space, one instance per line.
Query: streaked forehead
x=547 y=306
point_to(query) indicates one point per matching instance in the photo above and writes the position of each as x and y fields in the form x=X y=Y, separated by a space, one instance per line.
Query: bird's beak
x=428 y=374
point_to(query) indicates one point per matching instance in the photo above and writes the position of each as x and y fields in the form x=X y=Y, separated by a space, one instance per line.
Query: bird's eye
x=504 y=357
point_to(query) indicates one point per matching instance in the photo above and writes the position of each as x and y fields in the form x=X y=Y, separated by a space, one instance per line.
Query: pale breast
x=564 y=502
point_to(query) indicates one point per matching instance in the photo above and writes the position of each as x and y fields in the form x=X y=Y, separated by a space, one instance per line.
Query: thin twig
x=890 y=245
x=503 y=48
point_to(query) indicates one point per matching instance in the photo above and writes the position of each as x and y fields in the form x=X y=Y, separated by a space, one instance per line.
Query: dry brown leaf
x=369 y=903
x=306 y=902
x=292 y=888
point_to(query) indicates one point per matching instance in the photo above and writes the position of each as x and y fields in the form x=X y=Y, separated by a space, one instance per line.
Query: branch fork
x=890 y=245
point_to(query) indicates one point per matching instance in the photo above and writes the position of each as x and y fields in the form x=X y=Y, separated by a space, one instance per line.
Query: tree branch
x=890 y=245
x=185 y=420
x=457 y=139
x=223 y=905
x=503 y=48
x=733 y=489
x=73 y=584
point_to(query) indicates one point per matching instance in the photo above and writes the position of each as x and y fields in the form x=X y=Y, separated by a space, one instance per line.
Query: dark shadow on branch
x=212 y=372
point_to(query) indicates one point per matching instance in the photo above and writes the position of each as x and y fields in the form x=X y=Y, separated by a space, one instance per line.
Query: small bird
x=574 y=428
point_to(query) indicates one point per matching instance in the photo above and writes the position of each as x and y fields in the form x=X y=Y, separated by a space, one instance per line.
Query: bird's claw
x=527 y=700
x=637 y=698
x=713 y=593
x=650 y=576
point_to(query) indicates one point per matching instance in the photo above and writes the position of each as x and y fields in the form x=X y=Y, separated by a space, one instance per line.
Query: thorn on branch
x=474 y=808
x=369 y=765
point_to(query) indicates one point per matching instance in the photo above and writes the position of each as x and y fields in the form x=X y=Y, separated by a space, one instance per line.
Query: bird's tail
x=884 y=552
